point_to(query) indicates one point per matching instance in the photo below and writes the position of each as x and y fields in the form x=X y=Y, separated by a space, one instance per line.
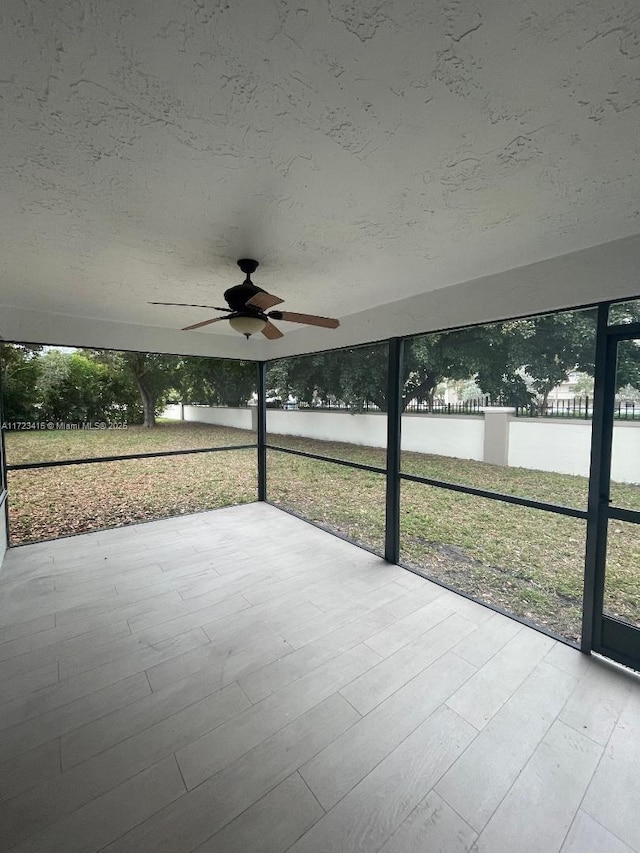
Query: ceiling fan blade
x=264 y=300
x=203 y=323
x=307 y=319
x=272 y=332
x=190 y=305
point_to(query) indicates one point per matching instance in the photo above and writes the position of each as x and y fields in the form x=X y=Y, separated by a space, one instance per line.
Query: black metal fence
x=578 y=407
x=439 y=407
x=429 y=407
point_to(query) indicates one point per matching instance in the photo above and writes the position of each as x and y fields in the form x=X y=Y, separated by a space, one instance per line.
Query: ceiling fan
x=248 y=307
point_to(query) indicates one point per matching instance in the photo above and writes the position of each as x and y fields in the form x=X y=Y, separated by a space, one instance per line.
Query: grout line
x=175 y=758
x=349 y=703
x=306 y=784
x=592 y=777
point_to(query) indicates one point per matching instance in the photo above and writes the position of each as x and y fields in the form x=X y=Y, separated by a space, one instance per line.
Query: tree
x=73 y=387
x=216 y=381
x=510 y=362
x=550 y=347
x=139 y=382
x=154 y=375
x=359 y=375
x=19 y=371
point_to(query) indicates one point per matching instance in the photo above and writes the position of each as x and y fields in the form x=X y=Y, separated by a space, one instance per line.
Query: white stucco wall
x=455 y=435
x=550 y=445
x=240 y=418
x=458 y=436
x=542 y=444
x=625 y=459
x=444 y=436
x=565 y=447
x=369 y=429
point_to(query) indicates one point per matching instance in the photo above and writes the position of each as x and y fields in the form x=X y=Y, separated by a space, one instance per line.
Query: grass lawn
x=526 y=561
x=49 y=502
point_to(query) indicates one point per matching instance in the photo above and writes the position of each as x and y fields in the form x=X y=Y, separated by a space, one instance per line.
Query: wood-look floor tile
x=96 y=824
x=373 y=810
x=614 y=793
x=59 y=651
x=480 y=778
x=340 y=766
x=487 y=639
x=595 y=705
x=401 y=633
x=548 y=792
x=414 y=734
x=37 y=729
x=212 y=805
x=30 y=768
x=25 y=629
x=588 y=836
x=484 y=694
x=94 y=737
x=272 y=824
x=432 y=826
x=23 y=683
x=214 y=751
x=51 y=801
x=373 y=687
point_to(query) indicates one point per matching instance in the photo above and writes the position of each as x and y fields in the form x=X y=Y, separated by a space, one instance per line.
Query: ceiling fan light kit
x=247 y=325
x=247 y=306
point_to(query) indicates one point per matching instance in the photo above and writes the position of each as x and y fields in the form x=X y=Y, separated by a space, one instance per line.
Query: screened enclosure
x=500 y=460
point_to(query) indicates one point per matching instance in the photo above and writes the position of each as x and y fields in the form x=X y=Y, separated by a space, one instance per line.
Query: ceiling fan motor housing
x=238 y=296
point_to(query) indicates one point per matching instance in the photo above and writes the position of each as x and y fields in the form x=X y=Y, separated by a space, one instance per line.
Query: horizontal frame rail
x=361 y=466
x=498 y=496
x=572 y=512
x=619 y=513
x=92 y=460
x=624 y=331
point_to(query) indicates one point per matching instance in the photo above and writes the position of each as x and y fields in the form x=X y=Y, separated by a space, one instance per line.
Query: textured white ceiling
x=364 y=152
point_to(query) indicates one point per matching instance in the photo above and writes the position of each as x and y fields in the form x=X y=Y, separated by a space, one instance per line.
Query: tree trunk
x=138 y=367
x=148 y=404
x=420 y=391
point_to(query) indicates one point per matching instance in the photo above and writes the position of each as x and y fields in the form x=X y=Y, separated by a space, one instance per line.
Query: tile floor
x=241 y=681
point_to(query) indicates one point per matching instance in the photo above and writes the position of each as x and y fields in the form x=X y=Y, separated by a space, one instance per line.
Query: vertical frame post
x=394 y=423
x=4 y=507
x=262 y=431
x=599 y=470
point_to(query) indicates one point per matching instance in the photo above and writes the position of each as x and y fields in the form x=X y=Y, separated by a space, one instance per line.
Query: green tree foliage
x=628 y=366
x=216 y=381
x=19 y=372
x=152 y=375
x=516 y=362
x=512 y=362
x=71 y=387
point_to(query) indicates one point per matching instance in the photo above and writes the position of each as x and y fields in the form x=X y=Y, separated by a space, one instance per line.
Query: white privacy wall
x=369 y=430
x=542 y=444
x=625 y=460
x=565 y=447
x=239 y=418
x=452 y=435
x=550 y=445
x=445 y=436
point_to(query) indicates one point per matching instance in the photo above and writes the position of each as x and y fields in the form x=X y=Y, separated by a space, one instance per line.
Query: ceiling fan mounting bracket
x=248 y=265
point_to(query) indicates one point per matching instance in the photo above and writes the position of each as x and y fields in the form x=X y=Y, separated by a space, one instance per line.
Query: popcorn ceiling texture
x=365 y=153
